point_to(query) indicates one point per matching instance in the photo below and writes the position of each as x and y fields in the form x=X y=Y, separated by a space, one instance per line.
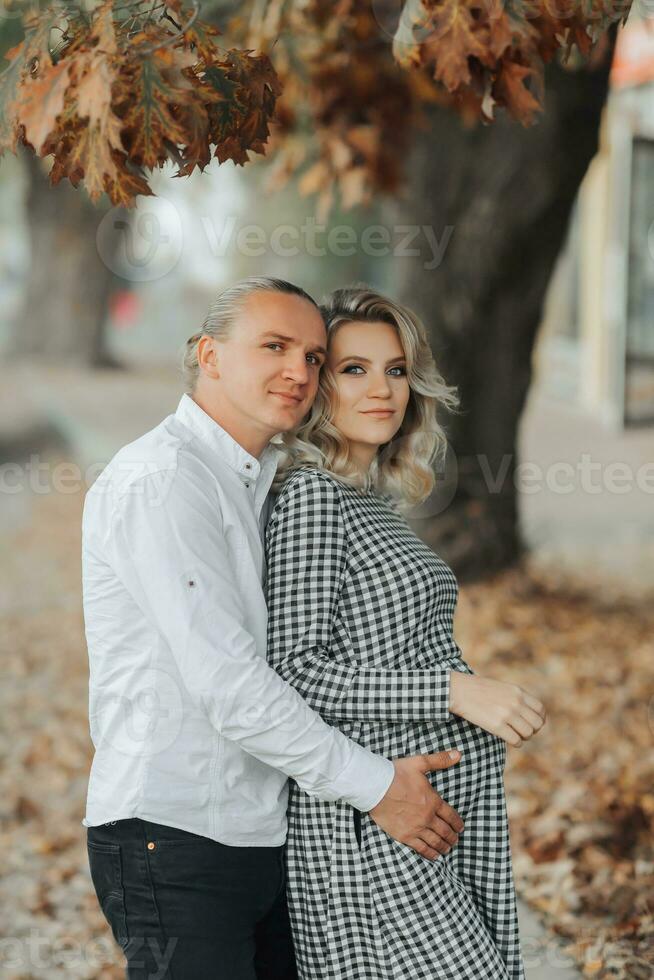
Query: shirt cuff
x=366 y=779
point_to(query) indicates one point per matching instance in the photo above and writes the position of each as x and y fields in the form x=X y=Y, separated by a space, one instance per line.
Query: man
x=195 y=735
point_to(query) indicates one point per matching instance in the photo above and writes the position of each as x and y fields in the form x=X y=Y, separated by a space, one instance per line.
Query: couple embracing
x=274 y=683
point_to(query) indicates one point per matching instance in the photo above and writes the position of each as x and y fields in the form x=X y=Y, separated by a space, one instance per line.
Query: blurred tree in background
x=507 y=192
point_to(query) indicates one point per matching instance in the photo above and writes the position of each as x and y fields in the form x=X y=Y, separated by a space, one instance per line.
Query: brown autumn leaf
x=148 y=93
x=509 y=90
x=27 y=60
x=42 y=99
x=454 y=36
x=95 y=74
x=242 y=122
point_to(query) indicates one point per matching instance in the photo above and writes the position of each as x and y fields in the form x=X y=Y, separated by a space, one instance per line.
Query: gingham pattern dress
x=360 y=622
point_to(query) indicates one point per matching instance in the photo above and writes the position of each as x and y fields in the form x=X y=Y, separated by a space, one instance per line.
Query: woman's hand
x=505 y=710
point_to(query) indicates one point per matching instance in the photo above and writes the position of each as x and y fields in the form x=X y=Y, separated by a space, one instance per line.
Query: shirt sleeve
x=167 y=544
x=307 y=558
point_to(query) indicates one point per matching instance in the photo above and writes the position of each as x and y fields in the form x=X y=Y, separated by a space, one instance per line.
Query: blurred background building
x=597 y=340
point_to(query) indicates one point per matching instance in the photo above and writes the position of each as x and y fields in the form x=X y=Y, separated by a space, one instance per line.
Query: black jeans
x=183 y=907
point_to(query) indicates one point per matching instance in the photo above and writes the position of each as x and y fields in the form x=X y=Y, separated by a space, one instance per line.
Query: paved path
x=589 y=505
x=542 y=953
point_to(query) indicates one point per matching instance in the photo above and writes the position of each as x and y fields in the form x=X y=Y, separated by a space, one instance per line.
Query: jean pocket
x=163 y=836
x=107 y=877
x=282 y=868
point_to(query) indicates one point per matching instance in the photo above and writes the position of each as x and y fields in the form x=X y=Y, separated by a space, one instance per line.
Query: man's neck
x=241 y=430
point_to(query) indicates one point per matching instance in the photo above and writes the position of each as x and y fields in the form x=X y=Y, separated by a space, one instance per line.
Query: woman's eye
x=273 y=344
x=402 y=371
x=351 y=368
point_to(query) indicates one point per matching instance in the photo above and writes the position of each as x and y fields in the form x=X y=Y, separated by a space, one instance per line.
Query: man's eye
x=274 y=345
x=315 y=359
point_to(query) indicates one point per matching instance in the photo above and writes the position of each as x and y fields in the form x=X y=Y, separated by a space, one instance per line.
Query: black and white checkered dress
x=361 y=624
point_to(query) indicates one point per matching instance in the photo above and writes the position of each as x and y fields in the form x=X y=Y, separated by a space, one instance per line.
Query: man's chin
x=288 y=424
x=286 y=421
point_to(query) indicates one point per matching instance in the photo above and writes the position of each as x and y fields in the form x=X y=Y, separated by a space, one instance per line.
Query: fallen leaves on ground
x=581 y=792
x=581 y=798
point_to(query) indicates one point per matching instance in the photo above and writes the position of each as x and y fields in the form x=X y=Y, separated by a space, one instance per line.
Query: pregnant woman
x=361 y=624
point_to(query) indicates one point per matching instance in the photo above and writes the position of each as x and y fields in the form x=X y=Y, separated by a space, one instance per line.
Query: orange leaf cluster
x=117 y=99
x=123 y=94
x=341 y=84
x=357 y=76
x=483 y=53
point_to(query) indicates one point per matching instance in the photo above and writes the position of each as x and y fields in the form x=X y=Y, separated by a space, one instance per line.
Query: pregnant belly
x=483 y=756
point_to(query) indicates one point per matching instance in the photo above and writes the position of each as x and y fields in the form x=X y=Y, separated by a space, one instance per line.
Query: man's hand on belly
x=413 y=812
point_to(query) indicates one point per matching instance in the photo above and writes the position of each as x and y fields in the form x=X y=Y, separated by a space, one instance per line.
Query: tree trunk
x=507 y=192
x=68 y=288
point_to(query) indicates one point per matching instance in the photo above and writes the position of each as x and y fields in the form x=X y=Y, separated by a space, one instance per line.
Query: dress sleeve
x=306 y=554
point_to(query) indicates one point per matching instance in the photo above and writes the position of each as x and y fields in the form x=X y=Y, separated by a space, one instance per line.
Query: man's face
x=268 y=367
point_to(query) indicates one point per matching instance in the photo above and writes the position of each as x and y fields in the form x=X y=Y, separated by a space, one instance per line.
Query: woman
x=360 y=622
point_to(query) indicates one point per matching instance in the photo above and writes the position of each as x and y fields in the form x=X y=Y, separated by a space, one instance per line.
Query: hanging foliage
x=119 y=91
x=368 y=67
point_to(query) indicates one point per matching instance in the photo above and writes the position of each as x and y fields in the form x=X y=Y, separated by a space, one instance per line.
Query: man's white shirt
x=191 y=727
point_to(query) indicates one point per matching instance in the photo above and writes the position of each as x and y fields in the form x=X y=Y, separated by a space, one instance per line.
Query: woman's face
x=372 y=389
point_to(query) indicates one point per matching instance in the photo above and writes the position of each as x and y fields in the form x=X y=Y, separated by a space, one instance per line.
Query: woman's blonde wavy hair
x=403 y=467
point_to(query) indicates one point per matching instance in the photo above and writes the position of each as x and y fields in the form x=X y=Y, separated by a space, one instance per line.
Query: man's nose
x=296 y=369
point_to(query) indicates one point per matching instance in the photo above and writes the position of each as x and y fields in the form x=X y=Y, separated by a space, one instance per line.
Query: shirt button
x=247 y=484
x=248 y=466
x=151 y=846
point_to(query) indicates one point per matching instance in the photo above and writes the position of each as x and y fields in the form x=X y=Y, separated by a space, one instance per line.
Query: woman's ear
x=208 y=360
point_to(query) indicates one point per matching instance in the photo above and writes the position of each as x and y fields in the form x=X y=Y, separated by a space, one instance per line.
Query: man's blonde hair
x=403 y=467
x=222 y=313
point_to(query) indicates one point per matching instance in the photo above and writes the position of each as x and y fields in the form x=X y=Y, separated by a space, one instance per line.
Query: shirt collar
x=220 y=441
